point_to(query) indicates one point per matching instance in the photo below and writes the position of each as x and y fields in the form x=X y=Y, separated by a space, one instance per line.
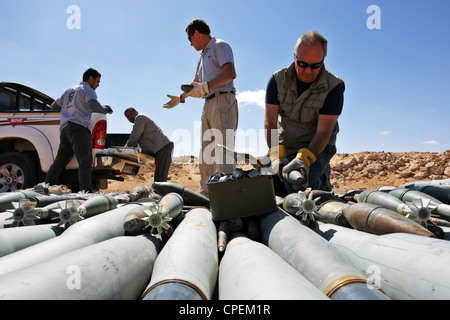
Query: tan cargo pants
x=219 y=123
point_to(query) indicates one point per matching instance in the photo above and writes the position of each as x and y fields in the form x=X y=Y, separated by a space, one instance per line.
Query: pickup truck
x=29 y=140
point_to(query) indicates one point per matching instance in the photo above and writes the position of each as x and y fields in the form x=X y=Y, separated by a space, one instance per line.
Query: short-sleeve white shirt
x=213 y=57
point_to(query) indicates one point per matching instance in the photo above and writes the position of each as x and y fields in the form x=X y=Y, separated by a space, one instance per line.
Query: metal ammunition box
x=241 y=198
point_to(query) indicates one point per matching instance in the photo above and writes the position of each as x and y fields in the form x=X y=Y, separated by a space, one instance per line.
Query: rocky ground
x=364 y=170
x=369 y=170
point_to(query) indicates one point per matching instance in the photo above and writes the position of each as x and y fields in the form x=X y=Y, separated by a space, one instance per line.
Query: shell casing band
x=337 y=284
x=180 y=281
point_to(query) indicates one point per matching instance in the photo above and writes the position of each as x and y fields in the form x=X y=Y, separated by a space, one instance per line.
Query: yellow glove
x=296 y=172
x=306 y=156
x=278 y=158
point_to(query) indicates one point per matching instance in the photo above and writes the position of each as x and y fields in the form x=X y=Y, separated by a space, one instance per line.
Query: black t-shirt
x=333 y=103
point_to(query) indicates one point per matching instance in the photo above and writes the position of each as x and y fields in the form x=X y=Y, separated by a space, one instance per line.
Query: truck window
x=24 y=102
x=7 y=99
x=38 y=105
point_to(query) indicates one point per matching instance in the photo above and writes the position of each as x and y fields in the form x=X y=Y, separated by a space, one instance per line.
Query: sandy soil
x=186 y=173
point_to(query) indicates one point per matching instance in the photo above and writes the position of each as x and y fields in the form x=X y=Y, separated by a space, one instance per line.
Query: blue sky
x=397 y=76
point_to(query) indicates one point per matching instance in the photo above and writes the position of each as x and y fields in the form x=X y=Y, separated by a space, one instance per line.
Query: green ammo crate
x=242 y=197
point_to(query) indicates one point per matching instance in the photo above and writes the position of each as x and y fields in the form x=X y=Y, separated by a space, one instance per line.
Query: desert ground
x=365 y=170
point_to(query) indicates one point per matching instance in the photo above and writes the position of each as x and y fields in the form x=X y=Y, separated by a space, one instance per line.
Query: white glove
x=296 y=173
x=199 y=90
x=174 y=101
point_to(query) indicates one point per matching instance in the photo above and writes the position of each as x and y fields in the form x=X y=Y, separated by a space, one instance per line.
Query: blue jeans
x=318 y=177
x=74 y=139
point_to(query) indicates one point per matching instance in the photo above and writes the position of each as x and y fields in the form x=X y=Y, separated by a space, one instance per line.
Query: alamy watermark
x=374 y=278
x=374 y=20
x=251 y=140
x=74 y=20
x=73 y=281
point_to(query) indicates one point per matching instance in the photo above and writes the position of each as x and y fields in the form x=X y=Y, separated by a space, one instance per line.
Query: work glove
x=109 y=110
x=174 y=101
x=296 y=172
x=199 y=89
x=278 y=159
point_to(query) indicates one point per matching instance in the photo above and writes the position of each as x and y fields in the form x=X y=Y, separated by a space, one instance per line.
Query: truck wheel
x=17 y=171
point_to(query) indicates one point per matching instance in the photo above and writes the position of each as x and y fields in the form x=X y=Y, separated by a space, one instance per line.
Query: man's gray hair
x=312 y=38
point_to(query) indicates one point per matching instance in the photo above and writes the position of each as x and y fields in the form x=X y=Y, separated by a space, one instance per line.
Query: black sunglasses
x=190 y=36
x=304 y=65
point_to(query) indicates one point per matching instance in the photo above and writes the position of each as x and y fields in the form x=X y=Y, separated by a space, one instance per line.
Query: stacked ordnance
x=161 y=243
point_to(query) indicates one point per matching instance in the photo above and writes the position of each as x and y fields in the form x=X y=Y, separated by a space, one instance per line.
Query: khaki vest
x=298 y=116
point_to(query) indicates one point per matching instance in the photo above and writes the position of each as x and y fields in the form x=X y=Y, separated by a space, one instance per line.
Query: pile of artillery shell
x=161 y=243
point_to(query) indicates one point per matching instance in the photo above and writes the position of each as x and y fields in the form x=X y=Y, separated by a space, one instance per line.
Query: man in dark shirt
x=303 y=104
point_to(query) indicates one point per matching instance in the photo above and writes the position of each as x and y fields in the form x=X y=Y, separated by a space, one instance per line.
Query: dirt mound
x=369 y=170
x=364 y=170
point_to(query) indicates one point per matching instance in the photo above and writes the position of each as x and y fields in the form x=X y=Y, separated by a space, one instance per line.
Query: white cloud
x=252 y=98
x=385 y=133
x=430 y=142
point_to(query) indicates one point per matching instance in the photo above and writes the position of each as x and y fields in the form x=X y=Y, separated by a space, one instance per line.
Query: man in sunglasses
x=303 y=104
x=214 y=83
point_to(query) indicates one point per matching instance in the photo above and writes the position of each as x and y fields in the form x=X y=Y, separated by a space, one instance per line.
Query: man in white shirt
x=213 y=82
x=76 y=105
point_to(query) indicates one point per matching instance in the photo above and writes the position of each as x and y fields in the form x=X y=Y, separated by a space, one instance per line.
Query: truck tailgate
x=123 y=160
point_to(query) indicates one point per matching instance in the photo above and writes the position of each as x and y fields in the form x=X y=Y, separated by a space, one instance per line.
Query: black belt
x=218 y=93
